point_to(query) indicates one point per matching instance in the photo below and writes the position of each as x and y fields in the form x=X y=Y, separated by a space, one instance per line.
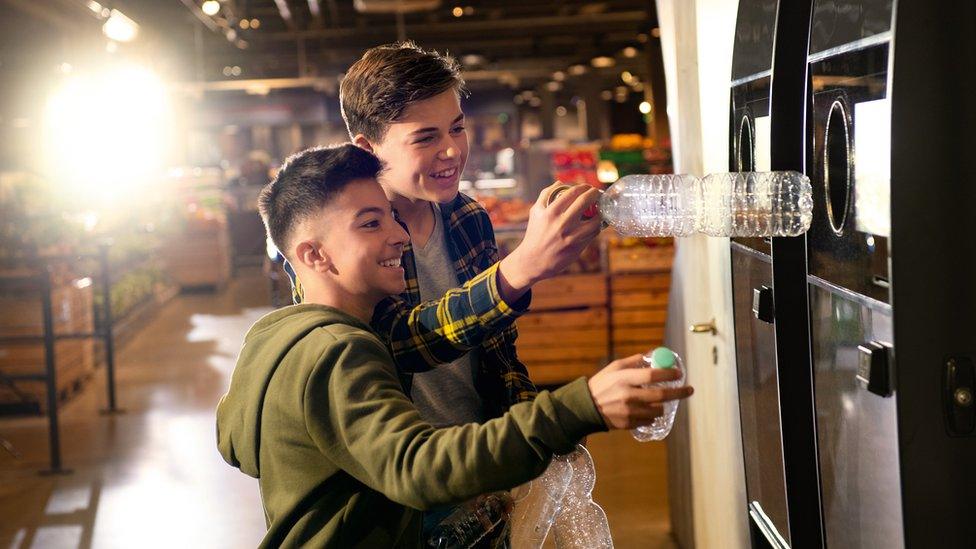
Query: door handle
x=703 y=327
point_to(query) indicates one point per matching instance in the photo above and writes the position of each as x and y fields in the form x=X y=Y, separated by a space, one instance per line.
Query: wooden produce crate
x=74 y=358
x=565 y=335
x=640 y=259
x=200 y=257
x=639 y=305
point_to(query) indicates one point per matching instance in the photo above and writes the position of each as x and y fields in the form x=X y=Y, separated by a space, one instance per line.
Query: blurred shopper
x=316 y=410
x=402 y=103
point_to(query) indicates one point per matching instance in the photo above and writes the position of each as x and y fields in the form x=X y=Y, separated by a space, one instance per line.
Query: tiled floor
x=151 y=477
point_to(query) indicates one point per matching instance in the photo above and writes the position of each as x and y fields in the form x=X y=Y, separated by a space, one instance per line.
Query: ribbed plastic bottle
x=758 y=204
x=663 y=358
x=471 y=522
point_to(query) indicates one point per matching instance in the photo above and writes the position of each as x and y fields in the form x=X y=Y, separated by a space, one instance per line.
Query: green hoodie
x=316 y=412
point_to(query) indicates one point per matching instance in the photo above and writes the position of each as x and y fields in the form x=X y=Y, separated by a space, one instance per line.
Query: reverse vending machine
x=859 y=352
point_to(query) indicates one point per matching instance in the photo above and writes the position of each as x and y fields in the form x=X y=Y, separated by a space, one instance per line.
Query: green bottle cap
x=662 y=357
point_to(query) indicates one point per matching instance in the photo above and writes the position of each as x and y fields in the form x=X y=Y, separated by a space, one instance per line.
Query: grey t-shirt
x=445 y=395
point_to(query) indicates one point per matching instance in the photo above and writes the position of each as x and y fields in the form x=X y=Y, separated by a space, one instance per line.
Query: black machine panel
x=849 y=170
x=837 y=23
x=857 y=431
x=758 y=384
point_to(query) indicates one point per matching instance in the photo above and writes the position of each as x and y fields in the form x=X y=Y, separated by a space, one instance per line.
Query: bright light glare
x=120 y=28
x=211 y=7
x=106 y=133
x=645 y=107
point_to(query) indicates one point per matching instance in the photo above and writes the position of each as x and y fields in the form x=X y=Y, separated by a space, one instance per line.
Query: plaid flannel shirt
x=423 y=335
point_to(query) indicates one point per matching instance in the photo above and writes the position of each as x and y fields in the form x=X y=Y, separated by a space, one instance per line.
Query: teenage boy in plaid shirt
x=403 y=104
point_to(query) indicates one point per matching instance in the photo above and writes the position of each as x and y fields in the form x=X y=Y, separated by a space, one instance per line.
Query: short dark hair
x=387 y=79
x=308 y=181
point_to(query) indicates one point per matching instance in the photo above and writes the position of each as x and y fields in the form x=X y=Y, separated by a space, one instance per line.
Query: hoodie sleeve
x=359 y=417
x=440 y=331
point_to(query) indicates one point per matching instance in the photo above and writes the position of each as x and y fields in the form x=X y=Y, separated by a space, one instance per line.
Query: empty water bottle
x=756 y=204
x=727 y=204
x=653 y=205
x=663 y=358
x=471 y=522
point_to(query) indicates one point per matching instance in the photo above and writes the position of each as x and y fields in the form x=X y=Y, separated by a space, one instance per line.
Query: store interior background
x=153 y=124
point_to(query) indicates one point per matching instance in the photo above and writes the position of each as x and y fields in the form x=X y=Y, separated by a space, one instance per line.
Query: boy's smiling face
x=363 y=242
x=425 y=151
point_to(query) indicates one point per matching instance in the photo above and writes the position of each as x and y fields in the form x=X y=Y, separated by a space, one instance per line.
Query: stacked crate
x=565 y=333
x=71 y=304
x=640 y=279
x=200 y=255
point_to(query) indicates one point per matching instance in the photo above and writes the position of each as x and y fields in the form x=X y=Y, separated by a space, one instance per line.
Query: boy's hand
x=619 y=393
x=554 y=238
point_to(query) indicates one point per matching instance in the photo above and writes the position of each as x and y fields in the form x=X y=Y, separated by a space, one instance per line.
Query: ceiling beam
x=573 y=23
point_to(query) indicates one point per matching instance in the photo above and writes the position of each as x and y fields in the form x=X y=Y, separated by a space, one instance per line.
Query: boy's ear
x=363 y=143
x=312 y=255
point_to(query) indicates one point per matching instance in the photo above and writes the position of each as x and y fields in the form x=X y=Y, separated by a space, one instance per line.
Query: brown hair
x=379 y=87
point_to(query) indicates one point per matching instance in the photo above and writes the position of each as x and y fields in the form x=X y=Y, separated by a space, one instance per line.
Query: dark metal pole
x=54 y=435
x=107 y=327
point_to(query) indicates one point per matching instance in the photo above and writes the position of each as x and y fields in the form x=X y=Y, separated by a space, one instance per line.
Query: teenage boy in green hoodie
x=316 y=410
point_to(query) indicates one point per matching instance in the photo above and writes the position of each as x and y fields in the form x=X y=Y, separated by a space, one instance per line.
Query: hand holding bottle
x=622 y=396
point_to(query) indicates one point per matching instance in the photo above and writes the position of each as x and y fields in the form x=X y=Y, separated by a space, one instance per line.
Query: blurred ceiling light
x=637 y=87
x=559 y=76
x=231 y=35
x=535 y=101
x=554 y=86
x=606 y=171
x=577 y=70
x=244 y=24
x=94 y=6
x=518 y=99
x=622 y=90
x=255 y=23
x=627 y=77
x=606 y=95
x=629 y=52
x=561 y=111
x=603 y=62
x=644 y=107
x=656 y=32
x=458 y=11
x=642 y=38
x=119 y=27
x=106 y=133
x=473 y=59
x=235 y=70
x=527 y=94
x=226 y=71
x=468 y=10
x=211 y=7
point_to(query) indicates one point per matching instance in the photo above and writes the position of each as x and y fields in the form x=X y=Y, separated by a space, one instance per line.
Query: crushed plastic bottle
x=581 y=523
x=664 y=358
x=537 y=503
x=468 y=524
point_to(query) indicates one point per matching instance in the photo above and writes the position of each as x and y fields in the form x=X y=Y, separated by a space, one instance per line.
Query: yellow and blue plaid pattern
x=422 y=335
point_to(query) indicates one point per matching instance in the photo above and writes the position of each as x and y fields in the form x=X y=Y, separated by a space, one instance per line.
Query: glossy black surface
x=755 y=26
x=857 y=430
x=838 y=251
x=839 y=22
x=759 y=411
x=750 y=100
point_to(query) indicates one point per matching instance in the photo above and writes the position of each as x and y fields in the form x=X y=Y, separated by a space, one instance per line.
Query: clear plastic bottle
x=653 y=205
x=756 y=204
x=581 y=522
x=471 y=522
x=664 y=358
